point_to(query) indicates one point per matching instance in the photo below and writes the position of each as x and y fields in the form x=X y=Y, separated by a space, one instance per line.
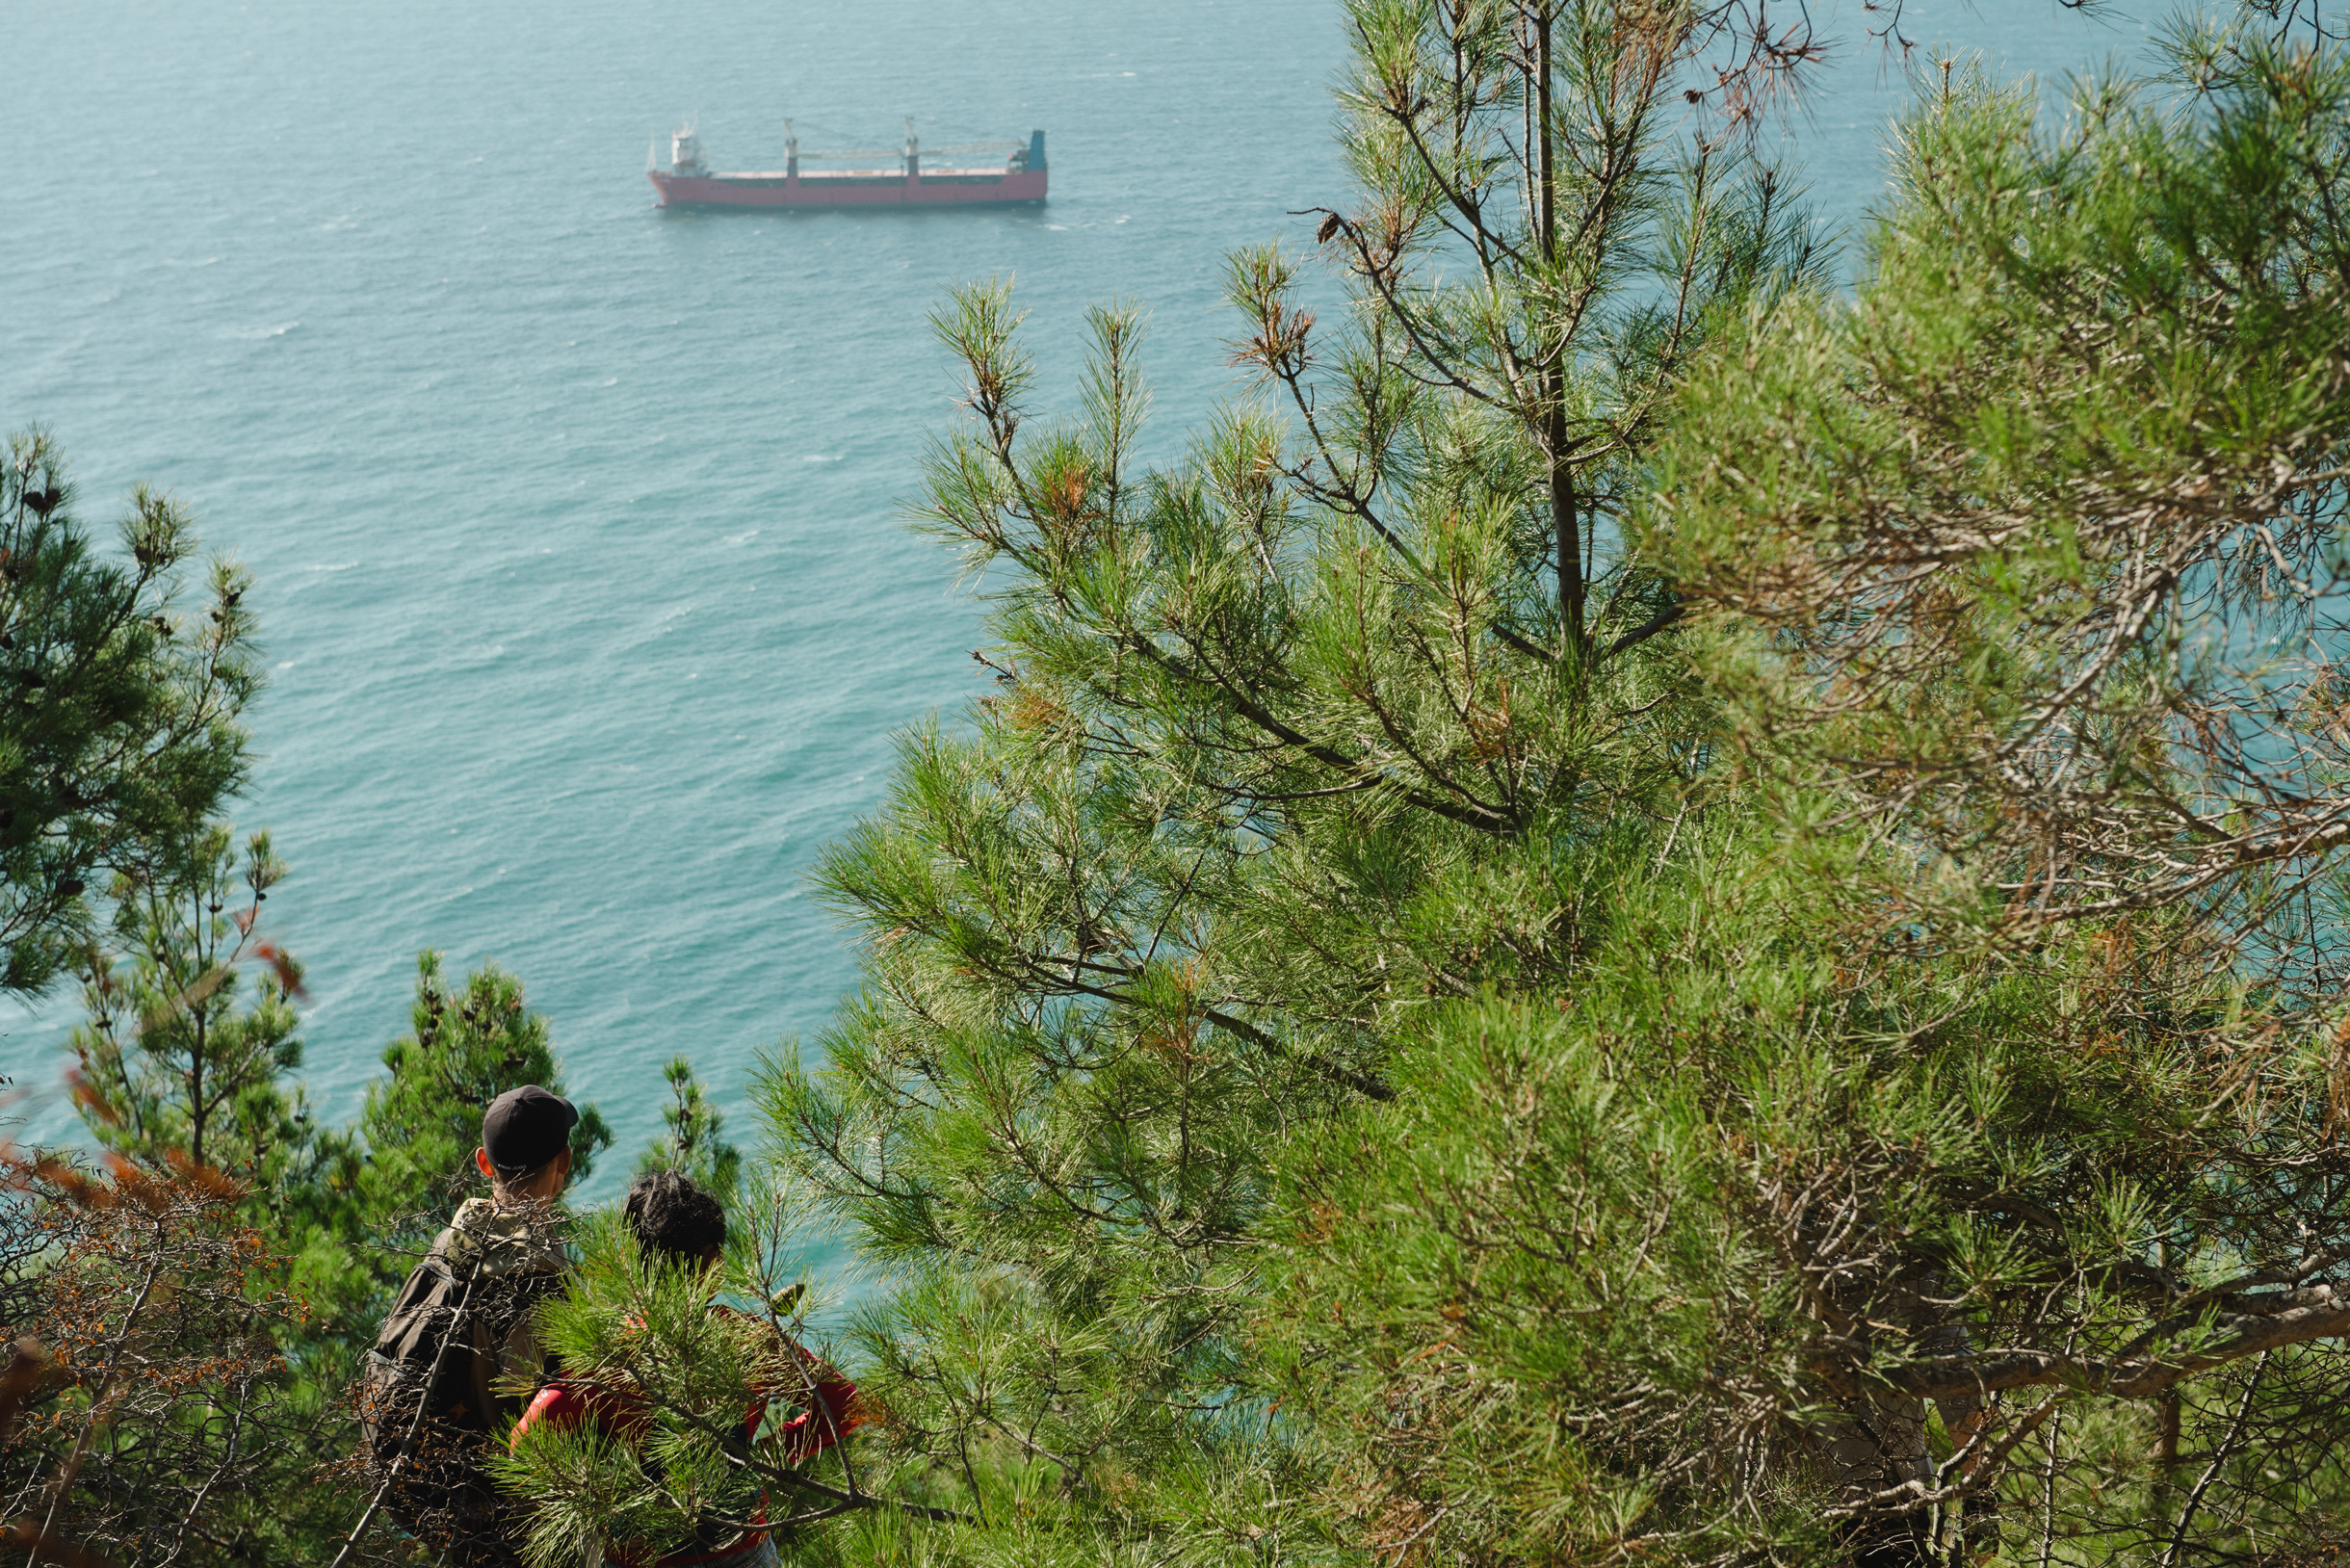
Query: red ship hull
x=853 y=188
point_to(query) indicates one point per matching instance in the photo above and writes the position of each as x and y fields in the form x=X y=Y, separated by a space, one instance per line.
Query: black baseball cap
x=525 y=1128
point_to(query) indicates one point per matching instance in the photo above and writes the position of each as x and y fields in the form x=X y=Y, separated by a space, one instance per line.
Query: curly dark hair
x=675 y=1218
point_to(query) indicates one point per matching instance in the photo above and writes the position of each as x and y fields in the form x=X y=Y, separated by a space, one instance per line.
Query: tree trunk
x=1563 y=517
x=1554 y=382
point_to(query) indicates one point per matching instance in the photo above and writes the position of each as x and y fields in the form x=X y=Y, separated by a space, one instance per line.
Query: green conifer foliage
x=1935 y=1157
x=694 y=1148
x=661 y=1340
x=1290 y=741
x=185 y=1076
x=423 y=1121
x=176 y=1064
x=2034 y=549
x=1717 y=1256
x=169 y=1060
x=119 y=706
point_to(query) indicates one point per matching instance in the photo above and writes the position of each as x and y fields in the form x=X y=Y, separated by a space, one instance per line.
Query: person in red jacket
x=676 y=1220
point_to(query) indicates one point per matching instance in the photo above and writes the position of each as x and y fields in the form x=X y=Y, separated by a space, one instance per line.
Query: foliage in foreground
x=1287 y=743
x=186 y=1332
x=175 y=1061
x=241 y=1252
x=1836 y=1062
x=1936 y=1152
x=1761 y=1244
x=148 y=1413
x=668 y=1342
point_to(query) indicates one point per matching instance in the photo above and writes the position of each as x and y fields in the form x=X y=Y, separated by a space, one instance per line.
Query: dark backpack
x=429 y=1404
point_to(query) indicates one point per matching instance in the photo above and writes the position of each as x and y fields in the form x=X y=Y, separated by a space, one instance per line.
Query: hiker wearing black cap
x=526 y=1147
x=459 y=1358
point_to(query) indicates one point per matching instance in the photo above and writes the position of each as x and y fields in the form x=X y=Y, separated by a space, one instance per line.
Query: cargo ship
x=906 y=181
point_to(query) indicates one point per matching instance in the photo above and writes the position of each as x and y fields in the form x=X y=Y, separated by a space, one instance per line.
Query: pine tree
x=171 y=1058
x=1936 y=1155
x=187 y=1059
x=1289 y=741
x=2056 y=502
x=185 y=1076
x=120 y=729
x=694 y=1147
x=423 y=1121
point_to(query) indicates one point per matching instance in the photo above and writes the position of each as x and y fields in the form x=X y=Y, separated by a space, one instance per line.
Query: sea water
x=576 y=524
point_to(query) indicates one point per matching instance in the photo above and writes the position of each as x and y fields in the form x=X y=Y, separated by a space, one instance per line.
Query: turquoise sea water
x=575 y=522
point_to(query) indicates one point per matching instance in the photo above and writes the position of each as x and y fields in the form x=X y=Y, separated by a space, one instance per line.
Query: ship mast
x=913 y=151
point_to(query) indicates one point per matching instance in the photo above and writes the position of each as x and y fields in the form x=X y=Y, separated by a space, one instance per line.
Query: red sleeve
x=558 y=1404
x=562 y=1403
x=812 y=1432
